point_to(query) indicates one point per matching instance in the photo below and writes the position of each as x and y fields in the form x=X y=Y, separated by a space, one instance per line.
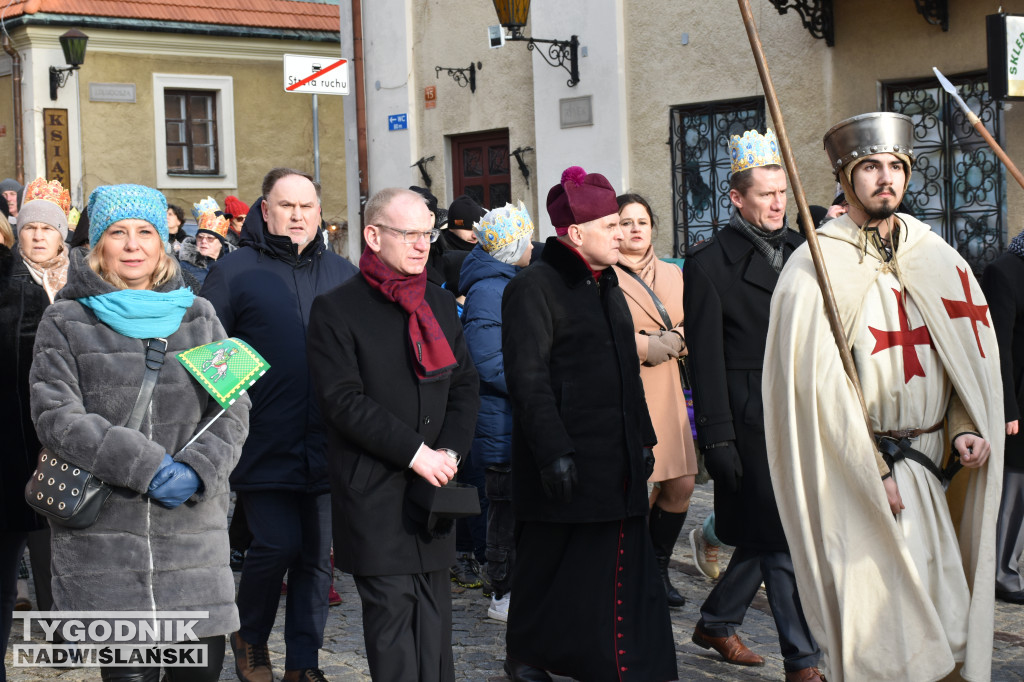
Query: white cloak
x=886 y=599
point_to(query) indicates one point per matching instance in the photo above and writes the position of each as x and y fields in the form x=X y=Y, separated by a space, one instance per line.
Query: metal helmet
x=879 y=132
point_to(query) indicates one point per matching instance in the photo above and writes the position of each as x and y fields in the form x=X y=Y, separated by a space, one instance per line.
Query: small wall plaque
x=112 y=92
x=576 y=111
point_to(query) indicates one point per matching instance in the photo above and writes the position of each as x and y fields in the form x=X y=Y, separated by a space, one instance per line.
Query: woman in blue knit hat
x=160 y=541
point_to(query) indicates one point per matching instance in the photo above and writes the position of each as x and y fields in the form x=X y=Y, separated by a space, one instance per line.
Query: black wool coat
x=377 y=415
x=1003 y=284
x=727 y=295
x=262 y=293
x=22 y=303
x=574 y=380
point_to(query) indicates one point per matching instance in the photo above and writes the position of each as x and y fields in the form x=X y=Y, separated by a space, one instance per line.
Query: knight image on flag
x=224 y=368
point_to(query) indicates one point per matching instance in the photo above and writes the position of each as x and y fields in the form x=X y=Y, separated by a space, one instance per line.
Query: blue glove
x=174 y=484
x=161 y=474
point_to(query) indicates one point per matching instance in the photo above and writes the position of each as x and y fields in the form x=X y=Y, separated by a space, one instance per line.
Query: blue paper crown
x=754 y=150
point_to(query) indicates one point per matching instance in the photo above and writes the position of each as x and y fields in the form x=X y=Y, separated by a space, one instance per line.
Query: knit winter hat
x=464 y=212
x=505 y=232
x=235 y=207
x=10 y=185
x=48 y=203
x=110 y=203
x=580 y=198
x=440 y=214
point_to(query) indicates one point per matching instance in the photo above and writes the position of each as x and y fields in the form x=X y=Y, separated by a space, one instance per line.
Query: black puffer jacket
x=22 y=303
x=262 y=293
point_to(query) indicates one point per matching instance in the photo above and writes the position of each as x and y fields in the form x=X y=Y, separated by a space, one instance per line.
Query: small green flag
x=224 y=368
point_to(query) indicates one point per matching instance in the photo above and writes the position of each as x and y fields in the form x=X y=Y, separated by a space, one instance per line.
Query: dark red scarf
x=433 y=356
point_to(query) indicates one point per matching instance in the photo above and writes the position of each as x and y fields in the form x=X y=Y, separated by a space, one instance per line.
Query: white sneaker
x=498 y=610
x=705 y=555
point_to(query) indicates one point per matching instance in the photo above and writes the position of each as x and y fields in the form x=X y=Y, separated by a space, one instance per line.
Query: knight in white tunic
x=895 y=579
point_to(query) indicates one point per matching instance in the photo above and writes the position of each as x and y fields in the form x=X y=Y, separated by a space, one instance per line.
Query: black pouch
x=440 y=506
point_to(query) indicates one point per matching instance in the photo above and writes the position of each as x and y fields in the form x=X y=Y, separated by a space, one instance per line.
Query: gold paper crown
x=50 y=191
x=503 y=226
x=214 y=222
x=754 y=150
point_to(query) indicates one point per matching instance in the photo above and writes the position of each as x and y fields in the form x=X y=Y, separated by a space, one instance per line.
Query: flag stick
x=203 y=430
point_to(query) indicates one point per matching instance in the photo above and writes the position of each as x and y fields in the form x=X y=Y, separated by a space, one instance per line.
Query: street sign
x=398 y=122
x=315 y=75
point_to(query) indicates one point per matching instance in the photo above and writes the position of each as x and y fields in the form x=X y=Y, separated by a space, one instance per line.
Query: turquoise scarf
x=141 y=313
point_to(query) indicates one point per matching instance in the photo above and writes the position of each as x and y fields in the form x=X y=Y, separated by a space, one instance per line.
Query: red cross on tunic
x=905 y=337
x=968 y=308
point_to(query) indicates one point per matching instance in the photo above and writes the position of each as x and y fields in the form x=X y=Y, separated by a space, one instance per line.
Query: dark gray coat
x=138 y=555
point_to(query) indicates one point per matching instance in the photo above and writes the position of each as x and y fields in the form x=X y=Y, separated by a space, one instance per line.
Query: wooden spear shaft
x=831 y=309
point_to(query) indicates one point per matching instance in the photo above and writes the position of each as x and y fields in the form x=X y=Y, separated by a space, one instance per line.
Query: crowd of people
x=468 y=405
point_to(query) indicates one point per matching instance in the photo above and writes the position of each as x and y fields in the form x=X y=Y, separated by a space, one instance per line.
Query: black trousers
x=209 y=673
x=407 y=626
x=291 y=533
x=501 y=528
x=723 y=611
x=12 y=544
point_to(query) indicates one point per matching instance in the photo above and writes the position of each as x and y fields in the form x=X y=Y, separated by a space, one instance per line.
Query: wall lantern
x=564 y=53
x=73 y=44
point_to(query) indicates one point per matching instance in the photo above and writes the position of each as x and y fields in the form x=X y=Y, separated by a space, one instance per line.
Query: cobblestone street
x=479 y=642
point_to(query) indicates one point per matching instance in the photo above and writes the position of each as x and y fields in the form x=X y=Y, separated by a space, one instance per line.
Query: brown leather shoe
x=252 y=661
x=307 y=675
x=732 y=649
x=805 y=675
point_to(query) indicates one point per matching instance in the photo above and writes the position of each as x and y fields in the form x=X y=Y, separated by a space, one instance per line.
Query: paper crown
x=74 y=215
x=214 y=222
x=207 y=205
x=754 y=150
x=50 y=191
x=503 y=226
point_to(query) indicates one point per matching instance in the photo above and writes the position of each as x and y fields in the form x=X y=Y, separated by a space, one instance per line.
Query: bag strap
x=155 y=349
x=654 y=297
x=684 y=374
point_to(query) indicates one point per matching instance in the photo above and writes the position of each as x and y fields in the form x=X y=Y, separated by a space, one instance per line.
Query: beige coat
x=674 y=454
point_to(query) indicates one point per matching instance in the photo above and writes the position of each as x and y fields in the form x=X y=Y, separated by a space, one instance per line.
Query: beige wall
x=876 y=41
x=272 y=127
x=503 y=97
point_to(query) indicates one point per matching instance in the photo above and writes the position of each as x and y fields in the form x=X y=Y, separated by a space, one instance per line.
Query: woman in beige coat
x=660 y=345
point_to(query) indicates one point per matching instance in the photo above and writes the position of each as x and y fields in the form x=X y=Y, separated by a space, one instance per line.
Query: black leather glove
x=723 y=463
x=558 y=479
x=648 y=462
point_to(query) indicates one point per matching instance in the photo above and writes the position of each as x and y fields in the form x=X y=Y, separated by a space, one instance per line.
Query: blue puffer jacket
x=262 y=294
x=484 y=279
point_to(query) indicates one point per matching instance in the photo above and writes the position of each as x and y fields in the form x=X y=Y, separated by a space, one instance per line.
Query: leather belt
x=908 y=433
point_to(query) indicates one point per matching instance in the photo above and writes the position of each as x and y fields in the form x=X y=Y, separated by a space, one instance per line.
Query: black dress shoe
x=1011 y=597
x=520 y=672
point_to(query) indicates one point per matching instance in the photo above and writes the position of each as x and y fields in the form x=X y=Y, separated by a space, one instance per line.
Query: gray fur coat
x=138 y=555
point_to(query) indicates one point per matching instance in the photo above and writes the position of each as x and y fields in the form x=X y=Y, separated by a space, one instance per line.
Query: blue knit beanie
x=110 y=203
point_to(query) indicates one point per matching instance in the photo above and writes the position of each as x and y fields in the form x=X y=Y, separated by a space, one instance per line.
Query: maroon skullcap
x=580 y=198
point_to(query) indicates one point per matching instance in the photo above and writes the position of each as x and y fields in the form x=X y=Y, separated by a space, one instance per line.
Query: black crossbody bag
x=70 y=496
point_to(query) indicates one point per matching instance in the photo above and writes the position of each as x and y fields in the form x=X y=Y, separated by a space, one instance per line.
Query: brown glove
x=659 y=350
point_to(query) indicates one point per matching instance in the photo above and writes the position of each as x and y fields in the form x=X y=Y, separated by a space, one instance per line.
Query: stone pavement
x=479 y=642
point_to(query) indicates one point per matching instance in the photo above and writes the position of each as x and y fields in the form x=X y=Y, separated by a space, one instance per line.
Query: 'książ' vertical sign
x=57 y=145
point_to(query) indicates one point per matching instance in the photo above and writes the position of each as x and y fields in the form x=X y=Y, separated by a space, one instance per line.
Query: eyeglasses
x=413 y=236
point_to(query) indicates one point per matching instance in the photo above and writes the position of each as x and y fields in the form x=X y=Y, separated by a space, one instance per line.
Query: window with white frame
x=195 y=131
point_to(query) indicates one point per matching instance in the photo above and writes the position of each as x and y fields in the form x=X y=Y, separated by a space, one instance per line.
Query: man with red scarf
x=399 y=394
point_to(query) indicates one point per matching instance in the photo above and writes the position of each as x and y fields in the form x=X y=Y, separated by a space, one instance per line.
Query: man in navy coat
x=263 y=293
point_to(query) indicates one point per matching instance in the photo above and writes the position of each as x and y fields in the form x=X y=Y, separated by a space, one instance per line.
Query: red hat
x=233 y=206
x=580 y=198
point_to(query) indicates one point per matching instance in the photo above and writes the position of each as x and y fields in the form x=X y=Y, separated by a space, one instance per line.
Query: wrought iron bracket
x=463 y=77
x=935 y=12
x=816 y=16
x=422 y=165
x=523 y=168
x=58 y=77
x=563 y=53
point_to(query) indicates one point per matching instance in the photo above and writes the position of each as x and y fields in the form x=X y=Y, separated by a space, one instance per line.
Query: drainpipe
x=19 y=137
x=357 y=67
